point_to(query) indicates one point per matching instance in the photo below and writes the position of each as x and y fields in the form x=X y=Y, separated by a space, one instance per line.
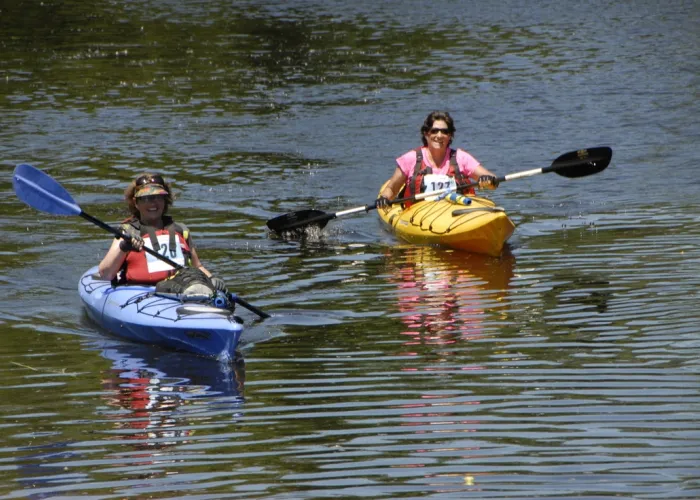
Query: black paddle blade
x=299 y=219
x=581 y=163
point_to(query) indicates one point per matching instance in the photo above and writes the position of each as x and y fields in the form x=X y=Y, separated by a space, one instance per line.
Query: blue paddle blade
x=41 y=191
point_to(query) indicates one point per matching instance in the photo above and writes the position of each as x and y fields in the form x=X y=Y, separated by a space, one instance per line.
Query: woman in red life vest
x=435 y=165
x=148 y=198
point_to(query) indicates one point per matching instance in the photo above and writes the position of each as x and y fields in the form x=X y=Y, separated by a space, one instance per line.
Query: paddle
x=573 y=164
x=41 y=191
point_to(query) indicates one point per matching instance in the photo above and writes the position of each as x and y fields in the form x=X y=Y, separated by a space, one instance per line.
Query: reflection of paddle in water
x=158 y=388
x=443 y=295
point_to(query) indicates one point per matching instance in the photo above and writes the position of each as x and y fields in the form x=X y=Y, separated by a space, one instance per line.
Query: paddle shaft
x=556 y=166
x=366 y=208
x=363 y=208
x=580 y=163
x=248 y=306
x=119 y=234
x=502 y=178
x=552 y=168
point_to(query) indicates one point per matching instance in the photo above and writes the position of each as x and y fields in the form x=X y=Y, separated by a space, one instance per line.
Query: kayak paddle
x=42 y=192
x=574 y=164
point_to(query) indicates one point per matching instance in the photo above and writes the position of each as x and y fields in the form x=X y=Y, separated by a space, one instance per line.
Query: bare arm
x=217 y=282
x=194 y=258
x=196 y=263
x=112 y=262
x=394 y=184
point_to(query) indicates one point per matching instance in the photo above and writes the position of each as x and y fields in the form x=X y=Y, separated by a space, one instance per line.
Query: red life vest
x=135 y=267
x=415 y=184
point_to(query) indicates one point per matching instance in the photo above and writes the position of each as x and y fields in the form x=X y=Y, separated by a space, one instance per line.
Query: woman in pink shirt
x=435 y=163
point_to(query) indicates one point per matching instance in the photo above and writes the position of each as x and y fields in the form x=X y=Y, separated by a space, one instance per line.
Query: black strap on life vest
x=459 y=177
x=419 y=173
x=168 y=223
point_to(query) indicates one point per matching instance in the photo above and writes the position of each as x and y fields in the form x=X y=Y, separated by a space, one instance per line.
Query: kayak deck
x=135 y=312
x=478 y=227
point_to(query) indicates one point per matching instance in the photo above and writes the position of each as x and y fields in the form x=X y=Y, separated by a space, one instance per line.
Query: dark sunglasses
x=435 y=130
x=150 y=198
x=150 y=179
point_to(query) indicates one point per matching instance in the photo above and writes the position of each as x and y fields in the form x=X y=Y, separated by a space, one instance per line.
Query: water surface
x=568 y=367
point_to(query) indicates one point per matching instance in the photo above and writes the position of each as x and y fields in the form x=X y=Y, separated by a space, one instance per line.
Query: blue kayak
x=136 y=312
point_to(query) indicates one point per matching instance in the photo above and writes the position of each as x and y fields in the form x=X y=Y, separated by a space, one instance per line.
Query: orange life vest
x=135 y=267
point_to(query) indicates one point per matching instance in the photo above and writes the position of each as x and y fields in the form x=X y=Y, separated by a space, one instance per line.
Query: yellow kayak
x=475 y=225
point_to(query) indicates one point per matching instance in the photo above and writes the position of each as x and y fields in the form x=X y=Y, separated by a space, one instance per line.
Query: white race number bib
x=438 y=182
x=156 y=265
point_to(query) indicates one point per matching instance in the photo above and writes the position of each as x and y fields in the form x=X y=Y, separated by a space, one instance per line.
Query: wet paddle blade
x=299 y=219
x=39 y=190
x=581 y=163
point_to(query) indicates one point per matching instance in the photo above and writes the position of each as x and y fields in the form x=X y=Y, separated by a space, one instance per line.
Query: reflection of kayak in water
x=186 y=374
x=445 y=295
x=482 y=271
x=479 y=226
x=161 y=395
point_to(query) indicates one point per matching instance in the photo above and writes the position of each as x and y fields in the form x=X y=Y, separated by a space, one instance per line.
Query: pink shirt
x=466 y=162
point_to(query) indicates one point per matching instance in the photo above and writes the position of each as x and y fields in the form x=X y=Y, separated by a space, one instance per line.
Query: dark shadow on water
x=592 y=292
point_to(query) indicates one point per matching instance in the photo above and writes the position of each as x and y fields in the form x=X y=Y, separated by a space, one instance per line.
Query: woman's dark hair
x=432 y=118
x=130 y=191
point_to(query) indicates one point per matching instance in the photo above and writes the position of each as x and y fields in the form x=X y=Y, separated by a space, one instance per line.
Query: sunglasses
x=150 y=198
x=150 y=179
x=435 y=130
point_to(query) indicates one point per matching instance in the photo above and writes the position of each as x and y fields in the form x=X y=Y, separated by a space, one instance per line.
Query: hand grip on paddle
x=382 y=202
x=131 y=243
